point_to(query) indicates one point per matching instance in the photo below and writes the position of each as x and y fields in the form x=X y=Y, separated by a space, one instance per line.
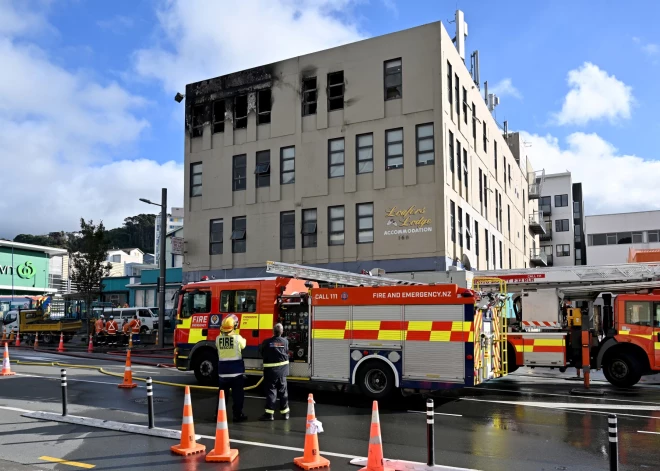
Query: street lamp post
x=161 y=262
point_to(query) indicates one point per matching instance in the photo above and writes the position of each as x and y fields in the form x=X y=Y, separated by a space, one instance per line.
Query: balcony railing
x=536 y=223
x=535 y=181
x=546 y=209
x=538 y=257
x=547 y=235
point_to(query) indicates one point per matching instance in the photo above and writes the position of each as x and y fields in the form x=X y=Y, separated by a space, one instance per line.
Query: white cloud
x=118 y=24
x=203 y=39
x=611 y=181
x=651 y=49
x=505 y=88
x=64 y=138
x=594 y=95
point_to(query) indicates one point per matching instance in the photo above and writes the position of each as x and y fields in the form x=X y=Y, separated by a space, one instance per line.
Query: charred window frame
x=216 y=236
x=394 y=149
x=219 y=108
x=364 y=145
x=336 y=90
x=196 y=179
x=393 y=79
x=465 y=106
x=288 y=165
x=264 y=104
x=239 y=234
x=365 y=223
x=336 y=225
x=239 y=172
x=425 y=144
x=262 y=169
x=336 y=158
x=309 y=227
x=240 y=112
x=451 y=151
x=309 y=96
x=287 y=230
x=198 y=120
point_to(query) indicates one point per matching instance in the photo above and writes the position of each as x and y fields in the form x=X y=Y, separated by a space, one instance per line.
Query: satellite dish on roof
x=465 y=260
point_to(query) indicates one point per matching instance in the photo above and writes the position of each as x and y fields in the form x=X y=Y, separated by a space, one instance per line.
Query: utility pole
x=163 y=271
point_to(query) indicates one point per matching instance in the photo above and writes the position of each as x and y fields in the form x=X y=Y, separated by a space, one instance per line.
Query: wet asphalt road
x=526 y=421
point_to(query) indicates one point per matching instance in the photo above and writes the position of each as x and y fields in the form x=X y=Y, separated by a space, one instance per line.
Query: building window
x=561 y=201
x=495 y=152
x=452 y=221
x=481 y=188
x=450 y=98
x=238 y=235
x=497 y=211
x=577 y=230
x=365 y=223
x=494 y=254
x=393 y=79
x=510 y=266
x=487 y=249
x=501 y=209
x=196 y=179
x=336 y=225
x=309 y=96
x=653 y=236
x=465 y=107
x=262 y=169
x=336 y=157
x=116 y=259
x=578 y=256
x=544 y=204
x=465 y=171
x=458 y=160
x=508 y=219
x=501 y=264
x=365 y=153
x=288 y=165
x=460 y=227
x=486 y=193
x=240 y=112
x=336 y=90
x=394 y=152
x=215 y=237
x=637 y=237
x=239 y=172
x=457 y=97
x=219 y=116
x=504 y=170
x=474 y=126
x=198 y=120
x=509 y=175
x=468 y=233
x=309 y=227
x=287 y=230
x=561 y=225
x=563 y=250
x=485 y=136
x=425 y=145
x=264 y=103
x=451 y=151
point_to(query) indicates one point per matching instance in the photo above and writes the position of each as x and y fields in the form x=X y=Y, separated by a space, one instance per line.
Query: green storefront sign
x=25 y=269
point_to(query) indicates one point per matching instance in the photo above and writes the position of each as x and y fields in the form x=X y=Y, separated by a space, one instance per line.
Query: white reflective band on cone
x=221 y=405
x=187 y=420
x=375 y=440
x=187 y=401
x=221 y=426
x=374 y=417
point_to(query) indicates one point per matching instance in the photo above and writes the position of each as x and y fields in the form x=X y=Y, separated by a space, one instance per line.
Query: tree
x=88 y=262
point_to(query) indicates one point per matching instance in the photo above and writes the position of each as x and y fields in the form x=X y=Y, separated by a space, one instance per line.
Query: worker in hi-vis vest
x=231 y=368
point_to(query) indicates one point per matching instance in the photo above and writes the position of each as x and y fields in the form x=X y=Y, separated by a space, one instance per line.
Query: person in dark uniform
x=275 y=353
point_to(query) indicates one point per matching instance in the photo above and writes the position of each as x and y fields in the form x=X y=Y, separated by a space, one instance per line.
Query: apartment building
x=611 y=236
x=376 y=154
x=562 y=209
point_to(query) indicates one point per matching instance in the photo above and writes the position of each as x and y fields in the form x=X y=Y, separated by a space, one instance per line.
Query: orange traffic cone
x=11 y=336
x=375 y=456
x=4 y=335
x=90 y=347
x=128 y=374
x=221 y=452
x=18 y=339
x=6 y=369
x=312 y=458
x=60 y=348
x=36 y=341
x=188 y=445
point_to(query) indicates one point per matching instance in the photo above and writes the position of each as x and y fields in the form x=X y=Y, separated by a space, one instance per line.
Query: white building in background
x=610 y=236
x=174 y=221
x=563 y=214
x=121 y=261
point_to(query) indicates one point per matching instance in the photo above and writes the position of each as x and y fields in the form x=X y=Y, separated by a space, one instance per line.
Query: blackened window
x=450 y=89
x=336 y=225
x=238 y=234
x=309 y=96
x=196 y=179
x=336 y=158
x=465 y=106
x=458 y=160
x=393 y=79
x=452 y=220
x=425 y=146
x=263 y=106
x=239 y=172
x=336 y=90
x=240 y=112
x=219 y=116
x=561 y=201
x=198 y=120
x=561 y=225
x=262 y=169
x=287 y=230
x=215 y=236
x=288 y=165
x=309 y=227
x=365 y=223
x=451 y=151
x=394 y=151
x=365 y=153
x=460 y=226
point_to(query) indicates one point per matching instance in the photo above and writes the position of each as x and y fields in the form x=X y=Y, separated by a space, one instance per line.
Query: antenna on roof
x=461 y=33
x=474 y=68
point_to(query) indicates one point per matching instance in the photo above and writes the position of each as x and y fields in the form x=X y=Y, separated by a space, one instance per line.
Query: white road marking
x=15 y=409
x=69 y=378
x=534 y=393
x=569 y=405
x=644 y=431
x=435 y=413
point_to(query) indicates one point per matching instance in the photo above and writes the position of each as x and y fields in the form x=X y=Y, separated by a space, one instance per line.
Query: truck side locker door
x=656 y=333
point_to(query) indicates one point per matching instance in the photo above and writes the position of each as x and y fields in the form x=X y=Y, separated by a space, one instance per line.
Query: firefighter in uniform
x=231 y=368
x=275 y=353
x=99 y=326
x=111 y=329
x=135 y=326
x=126 y=332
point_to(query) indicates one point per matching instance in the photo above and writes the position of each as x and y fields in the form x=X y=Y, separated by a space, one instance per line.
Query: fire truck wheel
x=511 y=359
x=621 y=369
x=206 y=368
x=375 y=379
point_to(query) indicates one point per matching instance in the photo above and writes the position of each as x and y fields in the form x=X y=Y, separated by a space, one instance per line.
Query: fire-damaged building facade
x=376 y=154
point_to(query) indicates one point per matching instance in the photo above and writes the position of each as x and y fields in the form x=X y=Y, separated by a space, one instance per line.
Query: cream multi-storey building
x=376 y=154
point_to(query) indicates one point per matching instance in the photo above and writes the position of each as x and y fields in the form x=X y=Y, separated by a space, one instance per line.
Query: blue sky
x=87 y=115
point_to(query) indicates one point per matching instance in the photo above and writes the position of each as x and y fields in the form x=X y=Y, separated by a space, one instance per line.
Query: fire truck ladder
x=333 y=276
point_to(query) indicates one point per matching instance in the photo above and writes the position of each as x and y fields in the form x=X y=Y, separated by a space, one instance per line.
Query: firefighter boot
x=267 y=417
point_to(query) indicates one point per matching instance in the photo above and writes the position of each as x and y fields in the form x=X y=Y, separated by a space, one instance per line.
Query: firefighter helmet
x=229 y=323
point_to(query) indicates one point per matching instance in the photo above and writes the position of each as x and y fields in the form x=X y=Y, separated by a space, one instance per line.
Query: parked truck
x=27 y=323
